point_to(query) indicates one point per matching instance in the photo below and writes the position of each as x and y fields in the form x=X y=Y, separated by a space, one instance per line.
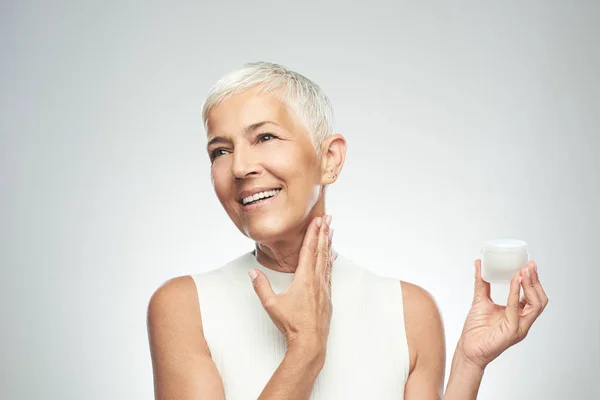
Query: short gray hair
x=302 y=95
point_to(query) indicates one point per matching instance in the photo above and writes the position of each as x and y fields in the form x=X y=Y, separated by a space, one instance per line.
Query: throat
x=287 y=266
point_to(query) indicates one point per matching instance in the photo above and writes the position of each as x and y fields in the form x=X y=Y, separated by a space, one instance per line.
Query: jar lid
x=504 y=245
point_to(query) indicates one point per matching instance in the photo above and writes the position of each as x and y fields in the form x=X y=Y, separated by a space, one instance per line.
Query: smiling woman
x=256 y=143
x=311 y=323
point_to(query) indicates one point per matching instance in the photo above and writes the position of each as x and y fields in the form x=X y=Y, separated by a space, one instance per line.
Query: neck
x=281 y=257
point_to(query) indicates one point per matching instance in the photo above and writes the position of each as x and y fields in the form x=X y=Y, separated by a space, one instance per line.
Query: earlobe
x=330 y=179
x=332 y=158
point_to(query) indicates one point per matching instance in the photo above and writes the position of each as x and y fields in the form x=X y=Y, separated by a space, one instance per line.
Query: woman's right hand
x=303 y=311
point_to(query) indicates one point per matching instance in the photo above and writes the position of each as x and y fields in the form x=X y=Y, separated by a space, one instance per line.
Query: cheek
x=280 y=159
x=290 y=159
x=302 y=180
x=219 y=181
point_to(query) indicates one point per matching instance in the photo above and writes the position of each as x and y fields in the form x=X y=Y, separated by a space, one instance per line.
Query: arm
x=181 y=360
x=295 y=377
x=488 y=331
x=183 y=367
x=491 y=328
x=302 y=313
x=465 y=379
x=425 y=333
x=182 y=363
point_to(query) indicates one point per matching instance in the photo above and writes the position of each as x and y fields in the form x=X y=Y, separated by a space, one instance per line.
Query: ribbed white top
x=367 y=351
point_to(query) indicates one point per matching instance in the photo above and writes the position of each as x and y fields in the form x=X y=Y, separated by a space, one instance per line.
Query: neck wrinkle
x=285 y=261
x=267 y=262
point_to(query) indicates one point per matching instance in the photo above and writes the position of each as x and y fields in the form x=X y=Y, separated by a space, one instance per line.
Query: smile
x=259 y=200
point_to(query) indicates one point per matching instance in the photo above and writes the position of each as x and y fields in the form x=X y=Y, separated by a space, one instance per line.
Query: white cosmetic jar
x=501 y=259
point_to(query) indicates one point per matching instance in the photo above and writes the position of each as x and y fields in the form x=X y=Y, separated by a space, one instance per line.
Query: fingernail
x=527 y=272
x=319 y=221
x=329 y=219
x=253 y=274
x=330 y=233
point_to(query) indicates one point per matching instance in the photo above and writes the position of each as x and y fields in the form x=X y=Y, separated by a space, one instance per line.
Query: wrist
x=306 y=352
x=465 y=369
x=465 y=377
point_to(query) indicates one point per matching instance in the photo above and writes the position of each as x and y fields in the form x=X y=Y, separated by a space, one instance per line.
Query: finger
x=329 y=241
x=512 y=305
x=262 y=286
x=532 y=299
x=323 y=250
x=482 y=288
x=329 y=261
x=308 y=251
x=538 y=285
x=329 y=238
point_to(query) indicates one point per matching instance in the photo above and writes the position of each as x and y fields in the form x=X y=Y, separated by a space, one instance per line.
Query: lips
x=260 y=204
x=251 y=192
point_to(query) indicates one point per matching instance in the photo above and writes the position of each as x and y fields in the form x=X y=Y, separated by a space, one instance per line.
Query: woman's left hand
x=491 y=328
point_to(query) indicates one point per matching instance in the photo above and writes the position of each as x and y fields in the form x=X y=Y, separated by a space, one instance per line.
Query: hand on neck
x=281 y=257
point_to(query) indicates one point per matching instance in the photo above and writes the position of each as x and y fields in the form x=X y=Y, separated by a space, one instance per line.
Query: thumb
x=482 y=288
x=261 y=284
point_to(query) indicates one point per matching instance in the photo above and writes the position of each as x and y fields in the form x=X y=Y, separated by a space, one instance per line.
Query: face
x=263 y=145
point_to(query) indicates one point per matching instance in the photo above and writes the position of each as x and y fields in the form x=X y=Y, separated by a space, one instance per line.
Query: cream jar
x=501 y=259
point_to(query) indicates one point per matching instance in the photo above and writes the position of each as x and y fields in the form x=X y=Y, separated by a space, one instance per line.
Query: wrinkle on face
x=289 y=159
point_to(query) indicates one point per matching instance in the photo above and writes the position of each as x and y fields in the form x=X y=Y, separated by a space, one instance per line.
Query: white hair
x=306 y=99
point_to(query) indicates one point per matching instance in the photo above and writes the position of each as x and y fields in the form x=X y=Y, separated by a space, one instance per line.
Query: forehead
x=247 y=108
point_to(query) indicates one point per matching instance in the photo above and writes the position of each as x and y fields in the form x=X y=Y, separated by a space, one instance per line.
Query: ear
x=333 y=155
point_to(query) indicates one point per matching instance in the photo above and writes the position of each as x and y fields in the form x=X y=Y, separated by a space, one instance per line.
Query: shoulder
x=175 y=302
x=424 y=326
x=176 y=291
x=419 y=305
x=174 y=325
x=181 y=359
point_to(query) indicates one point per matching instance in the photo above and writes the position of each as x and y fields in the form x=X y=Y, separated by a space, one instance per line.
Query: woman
x=312 y=324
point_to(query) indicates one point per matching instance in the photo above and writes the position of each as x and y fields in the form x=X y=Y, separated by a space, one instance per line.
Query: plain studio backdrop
x=465 y=122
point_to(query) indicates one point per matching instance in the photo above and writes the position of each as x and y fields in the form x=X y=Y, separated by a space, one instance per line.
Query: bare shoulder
x=419 y=305
x=181 y=359
x=175 y=287
x=425 y=336
x=176 y=300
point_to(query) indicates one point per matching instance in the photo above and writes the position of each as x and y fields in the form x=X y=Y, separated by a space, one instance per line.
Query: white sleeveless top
x=367 y=351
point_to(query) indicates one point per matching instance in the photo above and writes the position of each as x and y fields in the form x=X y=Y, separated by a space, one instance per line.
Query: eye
x=263 y=135
x=215 y=153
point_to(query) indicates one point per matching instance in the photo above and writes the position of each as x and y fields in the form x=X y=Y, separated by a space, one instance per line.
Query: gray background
x=465 y=122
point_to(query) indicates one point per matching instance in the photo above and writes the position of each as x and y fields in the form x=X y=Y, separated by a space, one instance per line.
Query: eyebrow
x=247 y=130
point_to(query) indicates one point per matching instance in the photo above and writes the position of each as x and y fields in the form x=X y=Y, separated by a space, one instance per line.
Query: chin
x=266 y=229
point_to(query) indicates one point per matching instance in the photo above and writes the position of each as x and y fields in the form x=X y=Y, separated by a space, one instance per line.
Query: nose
x=244 y=163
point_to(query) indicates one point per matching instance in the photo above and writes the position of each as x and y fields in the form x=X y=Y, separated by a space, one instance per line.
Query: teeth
x=261 y=195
